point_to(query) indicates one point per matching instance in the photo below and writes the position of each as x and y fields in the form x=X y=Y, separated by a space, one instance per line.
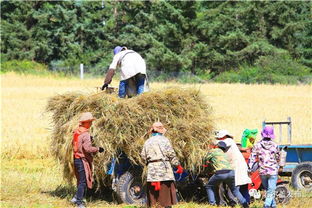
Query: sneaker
x=74 y=200
x=81 y=206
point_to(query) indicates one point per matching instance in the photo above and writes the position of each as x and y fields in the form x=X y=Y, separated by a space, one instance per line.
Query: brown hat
x=87 y=116
x=158 y=127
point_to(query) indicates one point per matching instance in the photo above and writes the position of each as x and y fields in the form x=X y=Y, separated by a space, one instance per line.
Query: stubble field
x=31 y=178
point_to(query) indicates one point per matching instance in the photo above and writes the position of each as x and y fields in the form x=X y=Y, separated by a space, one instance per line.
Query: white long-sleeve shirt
x=130 y=62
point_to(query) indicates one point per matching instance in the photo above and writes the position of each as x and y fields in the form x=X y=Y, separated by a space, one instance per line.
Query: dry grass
x=25 y=129
x=38 y=183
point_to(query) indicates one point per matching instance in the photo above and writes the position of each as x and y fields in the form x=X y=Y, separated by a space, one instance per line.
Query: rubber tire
x=295 y=180
x=123 y=189
x=286 y=198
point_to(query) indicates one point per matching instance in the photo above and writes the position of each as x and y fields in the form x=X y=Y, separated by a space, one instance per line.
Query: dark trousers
x=82 y=185
x=244 y=191
x=132 y=86
x=228 y=177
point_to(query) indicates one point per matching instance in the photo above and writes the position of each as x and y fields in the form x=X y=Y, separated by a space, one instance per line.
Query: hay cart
x=128 y=187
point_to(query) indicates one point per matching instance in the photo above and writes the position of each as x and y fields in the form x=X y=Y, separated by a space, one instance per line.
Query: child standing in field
x=268 y=154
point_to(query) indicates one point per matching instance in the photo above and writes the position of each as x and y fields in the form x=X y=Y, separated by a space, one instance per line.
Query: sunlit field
x=29 y=175
x=25 y=126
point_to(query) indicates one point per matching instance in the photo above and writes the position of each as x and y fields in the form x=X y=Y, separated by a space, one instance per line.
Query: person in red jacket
x=83 y=158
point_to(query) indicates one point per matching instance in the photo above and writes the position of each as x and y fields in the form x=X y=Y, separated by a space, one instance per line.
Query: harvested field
x=32 y=178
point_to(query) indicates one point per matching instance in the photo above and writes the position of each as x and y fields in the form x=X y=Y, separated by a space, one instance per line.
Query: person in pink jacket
x=268 y=155
x=83 y=149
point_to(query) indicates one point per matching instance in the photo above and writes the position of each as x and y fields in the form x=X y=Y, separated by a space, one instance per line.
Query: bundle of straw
x=122 y=124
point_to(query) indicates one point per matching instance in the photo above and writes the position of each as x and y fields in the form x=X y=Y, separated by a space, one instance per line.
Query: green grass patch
x=24 y=67
x=38 y=183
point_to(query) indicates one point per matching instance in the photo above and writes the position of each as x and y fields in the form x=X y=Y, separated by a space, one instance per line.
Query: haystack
x=122 y=124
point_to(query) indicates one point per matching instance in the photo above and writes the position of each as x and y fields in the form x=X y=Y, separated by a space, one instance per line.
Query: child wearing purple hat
x=268 y=154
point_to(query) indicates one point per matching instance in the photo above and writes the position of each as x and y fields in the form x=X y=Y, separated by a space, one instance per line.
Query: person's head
x=223 y=134
x=86 y=119
x=268 y=132
x=158 y=127
x=117 y=49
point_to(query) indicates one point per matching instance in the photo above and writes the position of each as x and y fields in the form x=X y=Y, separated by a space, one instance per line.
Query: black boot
x=245 y=205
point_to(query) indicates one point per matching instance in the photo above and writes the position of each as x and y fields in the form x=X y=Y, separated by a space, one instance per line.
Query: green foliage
x=278 y=68
x=199 y=37
x=24 y=66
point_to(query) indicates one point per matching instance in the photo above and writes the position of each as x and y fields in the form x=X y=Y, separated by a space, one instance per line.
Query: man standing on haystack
x=83 y=158
x=133 y=72
x=158 y=154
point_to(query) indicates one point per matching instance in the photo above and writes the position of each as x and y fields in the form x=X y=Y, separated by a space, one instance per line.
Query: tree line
x=223 y=40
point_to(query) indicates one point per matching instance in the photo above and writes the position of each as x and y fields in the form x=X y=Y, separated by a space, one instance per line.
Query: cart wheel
x=130 y=189
x=282 y=194
x=302 y=176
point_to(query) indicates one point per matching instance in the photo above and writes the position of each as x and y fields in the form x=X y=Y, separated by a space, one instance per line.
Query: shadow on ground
x=68 y=192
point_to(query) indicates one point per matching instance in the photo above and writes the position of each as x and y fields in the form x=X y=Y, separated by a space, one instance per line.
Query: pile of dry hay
x=122 y=124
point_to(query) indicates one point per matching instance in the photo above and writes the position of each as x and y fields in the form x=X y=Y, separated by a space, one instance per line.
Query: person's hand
x=180 y=169
x=280 y=170
x=101 y=149
x=104 y=86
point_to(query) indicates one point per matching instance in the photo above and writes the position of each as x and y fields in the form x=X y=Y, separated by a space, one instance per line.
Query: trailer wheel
x=302 y=176
x=282 y=194
x=130 y=189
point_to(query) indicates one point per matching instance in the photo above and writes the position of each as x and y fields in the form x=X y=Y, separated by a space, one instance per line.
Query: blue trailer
x=299 y=165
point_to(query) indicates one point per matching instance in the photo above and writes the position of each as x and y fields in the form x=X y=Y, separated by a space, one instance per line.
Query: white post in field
x=81 y=71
